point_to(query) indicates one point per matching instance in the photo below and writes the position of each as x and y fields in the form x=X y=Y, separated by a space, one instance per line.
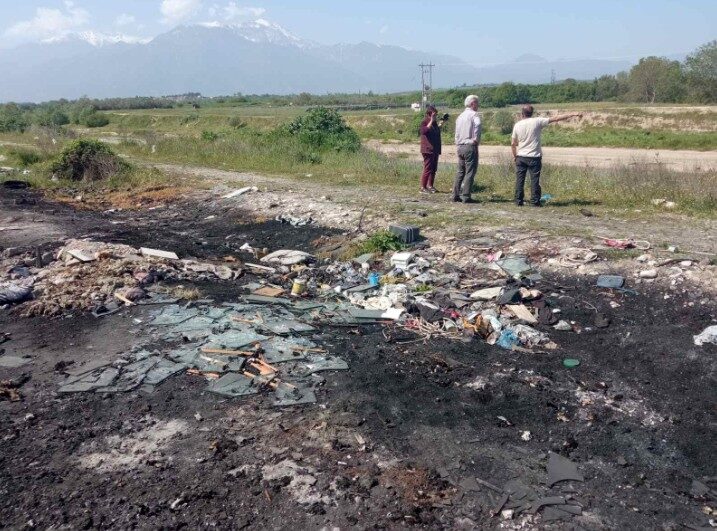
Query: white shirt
x=468 y=128
x=527 y=133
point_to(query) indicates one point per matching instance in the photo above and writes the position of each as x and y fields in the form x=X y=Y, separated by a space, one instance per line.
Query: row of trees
x=652 y=80
x=15 y=117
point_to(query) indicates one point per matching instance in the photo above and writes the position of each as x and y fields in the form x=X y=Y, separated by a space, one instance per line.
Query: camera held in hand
x=445 y=117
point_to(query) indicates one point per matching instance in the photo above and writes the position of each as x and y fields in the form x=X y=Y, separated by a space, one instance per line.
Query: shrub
x=504 y=121
x=25 y=157
x=380 y=242
x=96 y=120
x=236 y=122
x=209 y=136
x=88 y=160
x=50 y=117
x=323 y=128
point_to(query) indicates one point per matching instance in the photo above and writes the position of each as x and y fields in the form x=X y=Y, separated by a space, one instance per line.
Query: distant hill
x=254 y=58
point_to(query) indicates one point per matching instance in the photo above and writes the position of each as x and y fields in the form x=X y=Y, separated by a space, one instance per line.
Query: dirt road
x=595 y=157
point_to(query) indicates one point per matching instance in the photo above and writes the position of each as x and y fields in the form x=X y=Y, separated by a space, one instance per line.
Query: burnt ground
x=395 y=441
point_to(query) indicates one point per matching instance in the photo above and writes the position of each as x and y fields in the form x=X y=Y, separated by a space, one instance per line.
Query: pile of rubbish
x=420 y=292
x=239 y=348
x=96 y=277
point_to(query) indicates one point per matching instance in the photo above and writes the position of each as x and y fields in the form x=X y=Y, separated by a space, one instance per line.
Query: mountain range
x=259 y=57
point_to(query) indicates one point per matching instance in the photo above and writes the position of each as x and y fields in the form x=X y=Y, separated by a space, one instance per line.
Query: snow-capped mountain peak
x=262 y=31
x=98 y=39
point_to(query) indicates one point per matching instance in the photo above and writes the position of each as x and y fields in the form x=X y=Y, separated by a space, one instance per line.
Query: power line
x=426 y=83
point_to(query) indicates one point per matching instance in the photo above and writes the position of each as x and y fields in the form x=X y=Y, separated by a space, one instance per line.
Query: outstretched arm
x=561 y=117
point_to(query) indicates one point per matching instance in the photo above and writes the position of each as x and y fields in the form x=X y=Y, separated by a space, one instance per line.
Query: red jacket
x=430 y=138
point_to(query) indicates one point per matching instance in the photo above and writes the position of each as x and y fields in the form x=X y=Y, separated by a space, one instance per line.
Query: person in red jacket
x=430 y=148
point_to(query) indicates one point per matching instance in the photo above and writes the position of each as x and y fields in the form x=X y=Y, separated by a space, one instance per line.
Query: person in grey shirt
x=528 y=152
x=468 y=131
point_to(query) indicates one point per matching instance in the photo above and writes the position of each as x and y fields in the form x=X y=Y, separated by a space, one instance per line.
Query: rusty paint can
x=299 y=287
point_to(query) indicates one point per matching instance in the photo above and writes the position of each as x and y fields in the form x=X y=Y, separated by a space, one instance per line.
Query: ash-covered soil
x=396 y=441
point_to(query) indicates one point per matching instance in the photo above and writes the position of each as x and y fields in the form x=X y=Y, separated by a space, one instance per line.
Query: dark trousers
x=467 y=166
x=430 y=166
x=532 y=165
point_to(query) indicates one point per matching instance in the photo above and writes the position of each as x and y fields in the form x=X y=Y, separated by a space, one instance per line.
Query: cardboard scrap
x=146 y=251
x=522 y=313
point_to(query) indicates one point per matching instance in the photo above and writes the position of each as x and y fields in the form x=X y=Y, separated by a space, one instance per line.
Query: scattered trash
x=299 y=287
x=610 y=281
x=145 y=251
x=573 y=256
x=406 y=233
x=516 y=266
x=571 y=362
x=15 y=293
x=522 y=313
x=708 y=335
x=295 y=221
x=507 y=340
x=563 y=326
x=240 y=191
x=626 y=244
x=648 y=273
x=401 y=260
x=546 y=197
x=562 y=469
x=287 y=258
x=486 y=294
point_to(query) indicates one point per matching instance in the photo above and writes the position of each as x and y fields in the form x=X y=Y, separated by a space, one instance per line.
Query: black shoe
x=455 y=200
x=519 y=204
x=536 y=205
x=469 y=200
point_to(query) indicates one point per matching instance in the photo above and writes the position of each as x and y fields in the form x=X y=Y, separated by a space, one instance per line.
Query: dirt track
x=596 y=157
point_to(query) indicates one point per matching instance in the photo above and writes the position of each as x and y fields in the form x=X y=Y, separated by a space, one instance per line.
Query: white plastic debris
x=487 y=294
x=287 y=257
x=648 y=273
x=146 y=251
x=401 y=260
x=240 y=191
x=708 y=335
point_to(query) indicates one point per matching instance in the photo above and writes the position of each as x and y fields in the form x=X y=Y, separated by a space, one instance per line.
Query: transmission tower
x=426 y=84
x=552 y=77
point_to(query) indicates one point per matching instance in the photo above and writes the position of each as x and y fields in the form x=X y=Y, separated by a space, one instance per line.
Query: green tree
x=701 y=72
x=12 y=118
x=656 y=79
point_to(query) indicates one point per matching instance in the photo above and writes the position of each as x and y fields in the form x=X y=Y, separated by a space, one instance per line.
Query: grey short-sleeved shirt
x=527 y=133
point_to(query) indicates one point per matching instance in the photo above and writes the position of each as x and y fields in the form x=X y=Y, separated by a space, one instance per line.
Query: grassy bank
x=247 y=149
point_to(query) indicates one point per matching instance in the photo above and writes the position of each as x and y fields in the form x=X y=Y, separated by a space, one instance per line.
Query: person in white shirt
x=468 y=131
x=528 y=153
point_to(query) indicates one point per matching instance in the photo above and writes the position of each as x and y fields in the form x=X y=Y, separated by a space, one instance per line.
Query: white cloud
x=233 y=12
x=125 y=20
x=49 y=23
x=176 y=11
x=384 y=29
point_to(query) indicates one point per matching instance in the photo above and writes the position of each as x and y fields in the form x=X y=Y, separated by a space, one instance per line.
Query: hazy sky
x=481 y=32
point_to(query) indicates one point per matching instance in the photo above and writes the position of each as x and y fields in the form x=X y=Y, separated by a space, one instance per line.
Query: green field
x=604 y=125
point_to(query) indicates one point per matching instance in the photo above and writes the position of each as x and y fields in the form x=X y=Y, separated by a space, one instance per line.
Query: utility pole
x=426 y=84
x=552 y=77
